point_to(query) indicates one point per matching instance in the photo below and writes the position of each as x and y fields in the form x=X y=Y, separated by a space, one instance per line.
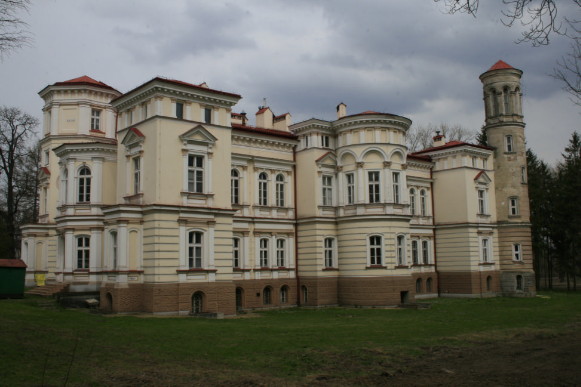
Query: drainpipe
x=296 y=225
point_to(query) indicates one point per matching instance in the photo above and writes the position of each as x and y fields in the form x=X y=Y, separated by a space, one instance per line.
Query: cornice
x=263 y=142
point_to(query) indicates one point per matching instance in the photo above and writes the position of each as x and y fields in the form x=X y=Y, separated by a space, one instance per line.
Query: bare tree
x=420 y=137
x=16 y=129
x=13 y=30
x=568 y=69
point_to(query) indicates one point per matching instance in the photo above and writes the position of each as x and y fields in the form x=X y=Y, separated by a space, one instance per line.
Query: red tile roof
x=12 y=263
x=84 y=81
x=419 y=157
x=323 y=156
x=45 y=170
x=262 y=110
x=281 y=116
x=272 y=132
x=500 y=65
x=450 y=144
x=137 y=132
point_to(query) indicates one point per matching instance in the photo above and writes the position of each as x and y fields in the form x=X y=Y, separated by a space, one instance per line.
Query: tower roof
x=500 y=65
x=84 y=80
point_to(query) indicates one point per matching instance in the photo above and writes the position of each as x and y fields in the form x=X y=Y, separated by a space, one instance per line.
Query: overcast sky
x=405 y=57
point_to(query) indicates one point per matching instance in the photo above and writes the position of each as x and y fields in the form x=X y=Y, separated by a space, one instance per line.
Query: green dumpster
x=12 y=273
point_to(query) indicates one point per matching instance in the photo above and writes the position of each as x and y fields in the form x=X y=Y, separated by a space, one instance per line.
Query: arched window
x=263 y=252
x=413 y=201
x=423 y=203
x=234 y=186
x=84 y=188
x=506 y=100
x=280 y=190
x=519 y=282
x=419 y=285
x=83 y=251
x=375 y=250
x=305 y=292
x=267 y=296
x=195 y=245
x=197 y=303
x=429 y=285
x=284 y=295
x=495 y=106
x=400 y=246
x=263 y=189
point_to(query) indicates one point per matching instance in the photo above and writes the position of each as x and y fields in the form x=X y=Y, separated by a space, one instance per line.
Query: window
x=350 y=177
x=484 y=163
x=195 y=173
x=263 y=189
x=513 y=206
x=195 y=249
x=144 y=110
x=419 y=285
x=400 y=246
x=482 y=205
x=263 y=252
x=208 y=115
x=329 y=250
x=488 y=283
x=179 y=110
x=267 y=296
x=114 y=249
x=413 y=201
x=129 y=117
x=396 y=192
x=65 y=185
x=474 y=162
x=325 y=142
x=236 y=252
x=415 y=253
x=280 y=252
x=423 y=203
x=523 y=175
x=327 y=190
x=506 y=95
x=197 y=303
x=46 y=157
x=509 y=144
x=136 y=175
x=374 y=192
x=284 y=295
x=95 y=119
x=485 y=249
x=519 y=282
x=426 y=252
x=84 y=185
x=279 y=190
x=375 y=254
x=234 y=186
x=517 y=252
x=429 y=285
x=305 y=292
x=83 y=252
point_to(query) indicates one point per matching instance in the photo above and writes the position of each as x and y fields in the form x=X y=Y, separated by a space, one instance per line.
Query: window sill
x=487 y=263
x=96 y=131
x=518 y=261
x=273 y=268
x=514 y=216
x=402 y=267
x=376 y=267
x=331 y=269
x=122 y=272
x=196 y=195
x=239 y=269
x=196 y=270
x=484 y=215
x=422 y=264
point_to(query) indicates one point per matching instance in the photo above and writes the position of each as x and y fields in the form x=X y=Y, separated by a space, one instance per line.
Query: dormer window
x=95 y=119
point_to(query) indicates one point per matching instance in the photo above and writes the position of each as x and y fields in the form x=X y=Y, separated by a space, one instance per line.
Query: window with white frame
x=327 y=190
x=208 y=115
x=306 y=141
x=517 y=251
x=329 y=252
x=375 y=250
x=236 y=252
x=195 y=249
x=374 y=186
x=412 y=201
x=423 y=203
x=485 y=253
x=279 y=190
x=263 y=189
x=426 y=252
x=281 y=252
x=400 y=250
x=46 y=157
x=508 y=142
x=482 y=202
x=350 y=179
x=474 y=162
x=396 y=187
x=263 y=252
x=415 y=252
x=195 y=173
x=234 y=186
x=114 y=249
x=84 y=185
x=136 y=175
x=523 y=175
x=95 y=119
x=179 y=110
x=513 y=206
x=325 y=141
x=83 y=251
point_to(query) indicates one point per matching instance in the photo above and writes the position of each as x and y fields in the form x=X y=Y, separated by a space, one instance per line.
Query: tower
x=504 y=127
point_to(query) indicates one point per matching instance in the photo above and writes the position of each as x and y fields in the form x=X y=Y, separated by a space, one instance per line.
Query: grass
x=42 y=344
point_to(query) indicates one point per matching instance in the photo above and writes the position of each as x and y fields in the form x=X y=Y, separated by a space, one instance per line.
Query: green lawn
x=42 y=344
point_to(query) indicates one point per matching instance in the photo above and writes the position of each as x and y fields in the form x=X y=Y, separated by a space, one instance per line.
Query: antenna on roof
x=264 y=102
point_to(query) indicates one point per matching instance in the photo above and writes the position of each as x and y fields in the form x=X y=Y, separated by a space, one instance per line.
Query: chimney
x=264 y=118
x=439 y=139
x=341 y=110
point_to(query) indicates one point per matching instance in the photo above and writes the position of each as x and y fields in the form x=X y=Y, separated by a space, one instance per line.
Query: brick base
x=508 y=284
x=469 y=283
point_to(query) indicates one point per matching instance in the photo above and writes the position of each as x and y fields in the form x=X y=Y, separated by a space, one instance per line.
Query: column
x=340 y=195
x=84 y=119
x=54 y=114
x=71 y=181
x=360 y=183
x=69 y=250
x=188 y=111
x=95 y=255
x=211 y=229
x=97 y=176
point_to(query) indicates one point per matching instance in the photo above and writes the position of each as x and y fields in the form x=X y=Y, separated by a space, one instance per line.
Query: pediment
x=482 y=178
x=328 y=159
x=198 y=135
x=133 y=137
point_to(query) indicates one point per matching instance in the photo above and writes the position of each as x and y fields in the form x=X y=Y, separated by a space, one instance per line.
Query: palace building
x=164 y=200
